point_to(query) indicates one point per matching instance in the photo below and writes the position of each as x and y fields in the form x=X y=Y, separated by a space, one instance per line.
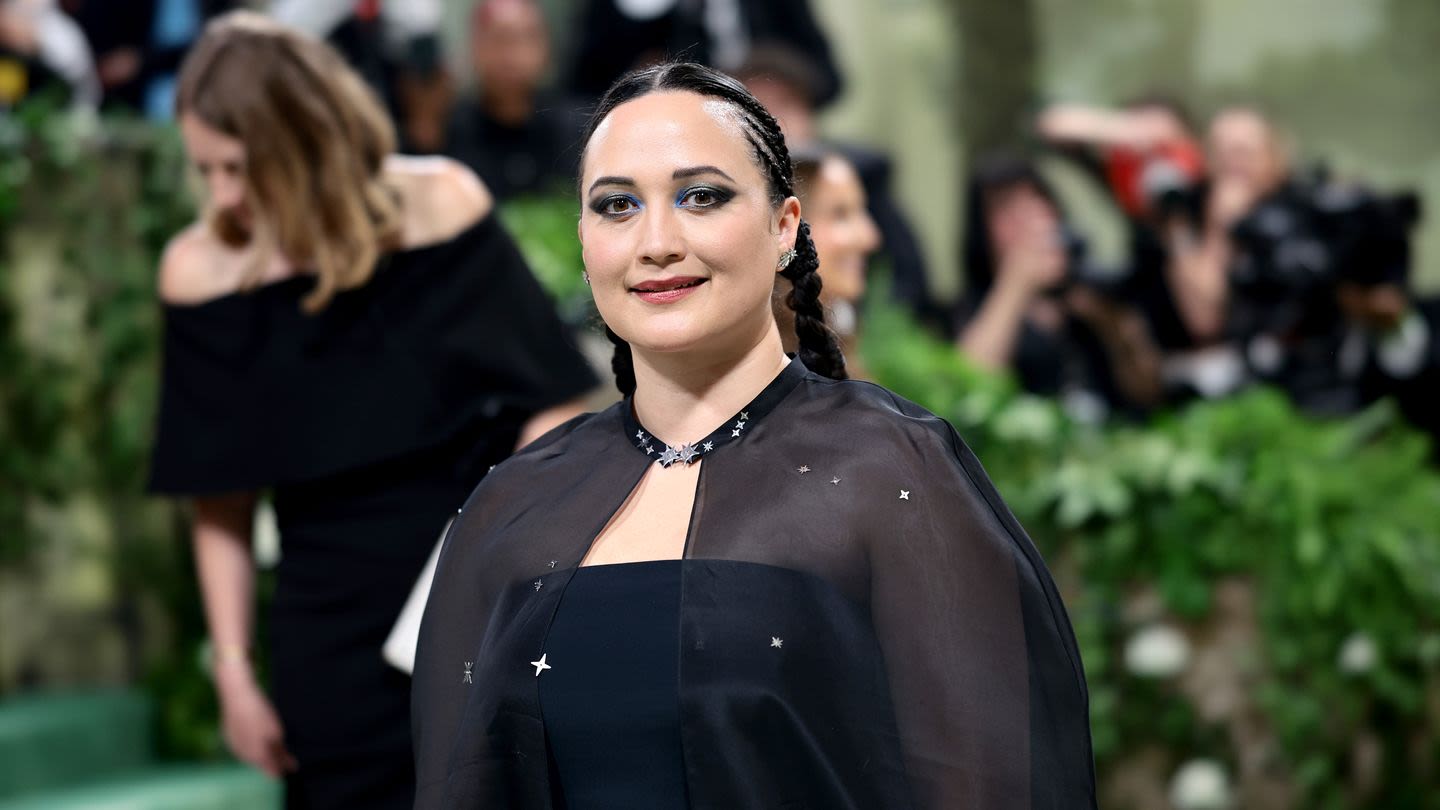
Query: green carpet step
x=188 y=787
x=58 y=740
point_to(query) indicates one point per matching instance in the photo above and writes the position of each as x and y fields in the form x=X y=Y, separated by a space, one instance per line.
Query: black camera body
x=1299 y=244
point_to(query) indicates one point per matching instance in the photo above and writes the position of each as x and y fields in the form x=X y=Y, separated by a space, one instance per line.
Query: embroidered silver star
x=688 y=453
x=469 y=665
x=777 y=642
x=538 y=583
x=803 y=469
x=552 y=563
x=640 y=434
x=740 y=425
x=744 y=414
x=541 y=666
x=734 y=434
x=709 y=446
x=668 y=456
x=648 y=449
x=904 y=494
x=834 y=480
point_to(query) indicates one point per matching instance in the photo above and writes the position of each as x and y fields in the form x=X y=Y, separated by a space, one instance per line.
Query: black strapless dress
x=610 y=696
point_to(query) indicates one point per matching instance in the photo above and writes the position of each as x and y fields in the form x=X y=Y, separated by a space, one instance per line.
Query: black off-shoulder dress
x=369 y=422
x=858 y=621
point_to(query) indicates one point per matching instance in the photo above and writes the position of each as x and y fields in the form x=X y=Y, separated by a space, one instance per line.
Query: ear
x=788 y=224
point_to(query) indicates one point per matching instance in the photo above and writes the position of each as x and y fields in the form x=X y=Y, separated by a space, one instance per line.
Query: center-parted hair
x=315 y=140
x=819 y=346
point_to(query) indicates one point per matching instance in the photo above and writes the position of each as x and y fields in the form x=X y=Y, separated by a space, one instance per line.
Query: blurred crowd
x=1243 y=266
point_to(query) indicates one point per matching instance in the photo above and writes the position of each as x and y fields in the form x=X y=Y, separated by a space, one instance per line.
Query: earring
x=585 y=274
x=787 y=257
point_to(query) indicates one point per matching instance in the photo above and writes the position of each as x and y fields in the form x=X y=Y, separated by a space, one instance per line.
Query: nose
x=661 y=242
x=226 y=190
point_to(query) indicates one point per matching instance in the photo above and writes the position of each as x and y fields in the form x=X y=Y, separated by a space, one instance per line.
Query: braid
x=622 y=362
x=819 y=345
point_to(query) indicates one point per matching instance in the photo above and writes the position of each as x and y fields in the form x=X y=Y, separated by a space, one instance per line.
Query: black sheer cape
x=863 y=623
x=442 y=339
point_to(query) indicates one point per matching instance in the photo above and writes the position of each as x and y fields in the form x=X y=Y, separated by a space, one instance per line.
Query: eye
x=703 y=197
x=615 y=206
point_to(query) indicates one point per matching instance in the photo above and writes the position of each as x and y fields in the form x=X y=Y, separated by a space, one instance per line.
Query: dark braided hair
x=819 y=346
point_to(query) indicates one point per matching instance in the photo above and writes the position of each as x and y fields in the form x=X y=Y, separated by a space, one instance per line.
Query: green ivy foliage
x=1332 y=528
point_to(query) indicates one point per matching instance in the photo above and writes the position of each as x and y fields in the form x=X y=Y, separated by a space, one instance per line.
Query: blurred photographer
x=1033 y=305
x=1323 y=307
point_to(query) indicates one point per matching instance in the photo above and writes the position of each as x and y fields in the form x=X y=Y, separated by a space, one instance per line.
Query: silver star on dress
x=904 y=494
x=744 y=414
x=668 y=456
x=709 y=446
x=803 y=469
x=740 y=425
x=688 y=453
x=776 y=641
x=538 y=583
x=469 y=665
x=640 y=434
x=552 y=563
x=734 y=434
x=541 y=666
x=835 y=480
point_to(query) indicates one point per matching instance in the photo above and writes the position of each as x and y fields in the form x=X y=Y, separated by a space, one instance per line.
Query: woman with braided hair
x=752 y=583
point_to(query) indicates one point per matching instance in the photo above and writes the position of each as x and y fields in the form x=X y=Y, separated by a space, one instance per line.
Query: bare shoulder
x=442 y=197
x=196 y=267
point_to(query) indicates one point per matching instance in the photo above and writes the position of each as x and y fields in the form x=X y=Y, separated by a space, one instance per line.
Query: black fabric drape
x=926 y=657
x=257 y=393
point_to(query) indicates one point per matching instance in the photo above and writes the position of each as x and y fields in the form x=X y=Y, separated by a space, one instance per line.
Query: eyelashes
x=712 y=197
x=695 y=198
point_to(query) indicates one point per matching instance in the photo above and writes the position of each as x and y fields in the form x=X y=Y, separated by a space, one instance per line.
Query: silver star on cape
x=541 y=666
x=904 y=494
x=709 y=446
x=776 y=641
x=688 y=453
x=668 y=456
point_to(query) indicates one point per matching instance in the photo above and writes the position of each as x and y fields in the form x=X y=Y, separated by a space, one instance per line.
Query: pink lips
x=667 y=290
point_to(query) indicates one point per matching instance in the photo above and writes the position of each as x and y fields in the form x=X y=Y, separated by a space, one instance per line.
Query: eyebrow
x=679 y=174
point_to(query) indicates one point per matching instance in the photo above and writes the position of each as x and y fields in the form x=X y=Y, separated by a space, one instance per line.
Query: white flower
x=1200 y=784
x=1357 y=654
x=1158 y=651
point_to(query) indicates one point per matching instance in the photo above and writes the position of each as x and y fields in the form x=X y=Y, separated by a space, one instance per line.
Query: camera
x=1295 y=247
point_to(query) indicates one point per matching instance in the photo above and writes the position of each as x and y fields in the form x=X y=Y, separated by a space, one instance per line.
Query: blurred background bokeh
x=1253 y=569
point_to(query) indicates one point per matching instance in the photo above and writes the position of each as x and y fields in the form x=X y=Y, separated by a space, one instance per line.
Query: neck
x=682 y=398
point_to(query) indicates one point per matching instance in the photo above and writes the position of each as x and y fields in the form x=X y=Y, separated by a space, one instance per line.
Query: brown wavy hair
x=315 y=139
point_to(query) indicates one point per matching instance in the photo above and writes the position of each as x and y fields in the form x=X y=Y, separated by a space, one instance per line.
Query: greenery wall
x=1257 y=594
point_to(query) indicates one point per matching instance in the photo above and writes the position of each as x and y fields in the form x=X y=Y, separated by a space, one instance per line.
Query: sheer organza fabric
x=863 y=623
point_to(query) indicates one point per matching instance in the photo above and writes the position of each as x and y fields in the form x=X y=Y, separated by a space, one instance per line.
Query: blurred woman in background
x=353 y=332
x=845 y=237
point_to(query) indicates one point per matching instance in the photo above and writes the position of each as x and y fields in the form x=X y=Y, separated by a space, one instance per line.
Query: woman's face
x=220 y=161
x=845 y=235
x=1018 y=216
x=677 y=229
